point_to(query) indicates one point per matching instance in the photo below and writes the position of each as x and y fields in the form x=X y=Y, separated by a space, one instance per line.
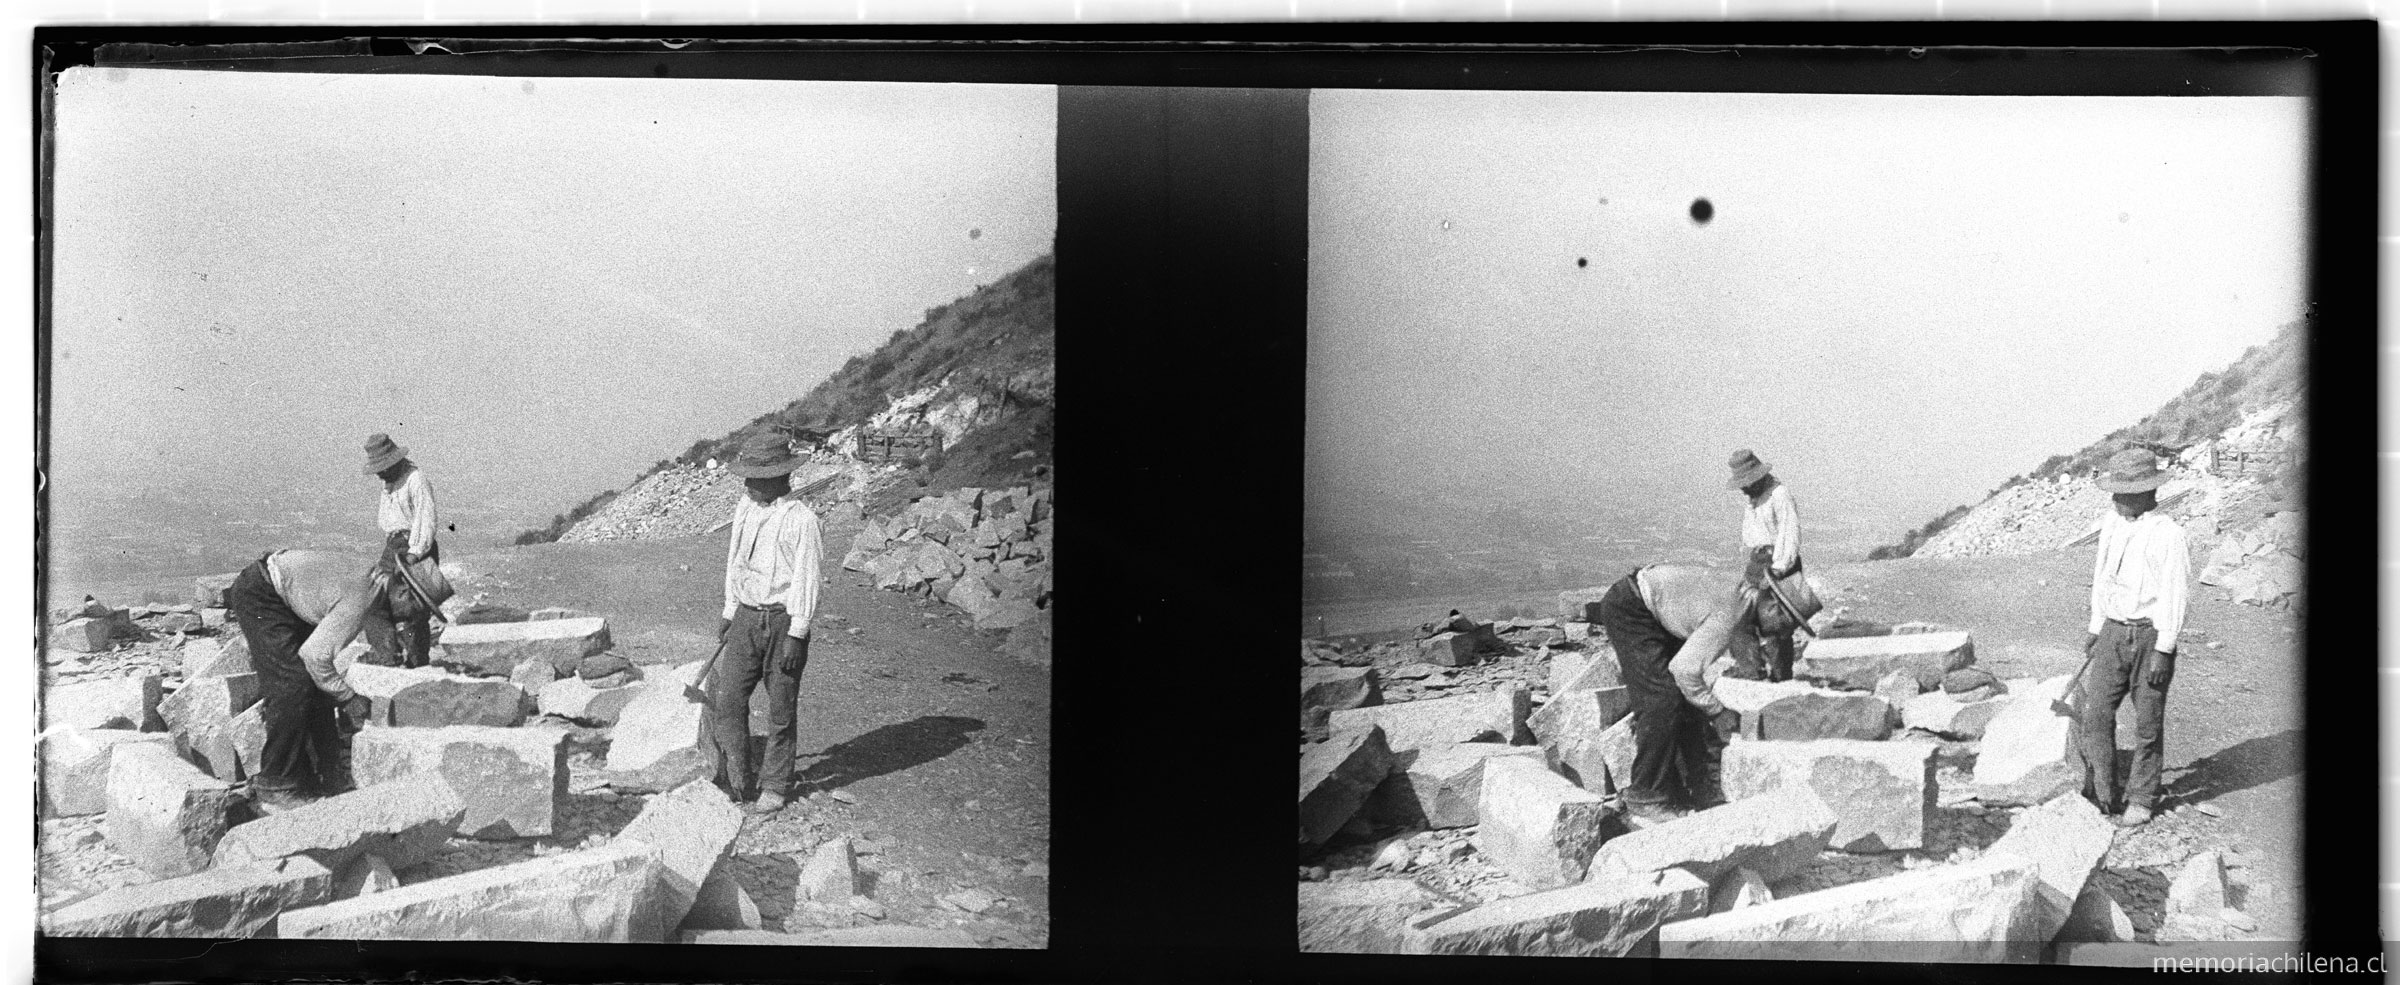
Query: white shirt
x=408 y=505
x=1773 y=521
x=2143 y=571
x=773 y=558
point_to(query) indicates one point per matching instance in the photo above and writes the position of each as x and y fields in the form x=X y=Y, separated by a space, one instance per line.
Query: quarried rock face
x=1538 y=826
x=605 y=895
x=1610 y=919
x=1335 y=778
x=229 y=902
x=511 y=779
x=1774 y=834
x=1497 y=715
x=1970 y=912
x=1882 y=793
x=163 y=812
x=1369 y=917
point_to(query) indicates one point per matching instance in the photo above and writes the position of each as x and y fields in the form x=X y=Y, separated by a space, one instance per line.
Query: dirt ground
x=917 y=739
x=2233 y=741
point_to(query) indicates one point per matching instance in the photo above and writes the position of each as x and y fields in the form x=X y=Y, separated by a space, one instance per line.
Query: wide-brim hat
x=2131 y=471
x=1793 y=594
x=383 y=454
x=431 y=586
x=1747 y=469
x=765 y=456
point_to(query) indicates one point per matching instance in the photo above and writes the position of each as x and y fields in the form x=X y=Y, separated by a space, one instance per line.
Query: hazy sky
x=1900 y=302
x=540 y=285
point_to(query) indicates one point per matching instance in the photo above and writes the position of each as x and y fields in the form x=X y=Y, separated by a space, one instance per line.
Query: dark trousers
x=740 y=669
x=2120 y=666
x=1670 y=740
x=303 y=745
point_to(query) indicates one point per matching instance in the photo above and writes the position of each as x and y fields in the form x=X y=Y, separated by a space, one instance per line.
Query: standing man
x=2139 y=583
x=1667 y=623
x=297 y=609
x=1771 y=539
x=406 y=515
x=770 y=597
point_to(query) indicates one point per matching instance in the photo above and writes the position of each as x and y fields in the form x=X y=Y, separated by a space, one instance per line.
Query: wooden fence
x=881 y=446
x=2224 y=462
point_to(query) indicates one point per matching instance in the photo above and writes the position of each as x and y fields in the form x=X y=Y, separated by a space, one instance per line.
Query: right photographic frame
x=1844 y=525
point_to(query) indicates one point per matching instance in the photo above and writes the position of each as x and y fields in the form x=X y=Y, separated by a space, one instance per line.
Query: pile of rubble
x=2262 y=565
x=1489 y=822
x=688 y=500
x=984 y=551
x=458 y=786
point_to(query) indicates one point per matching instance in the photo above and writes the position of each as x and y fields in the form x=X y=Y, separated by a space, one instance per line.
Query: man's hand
x=2162 y=668
x=1727 y=722
x=356 y=711
x=787 y=654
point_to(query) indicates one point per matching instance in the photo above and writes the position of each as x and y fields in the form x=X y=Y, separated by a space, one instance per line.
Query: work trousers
x=1671 y=748
x=744 y=665
x=2120 y=666
x=303 y=748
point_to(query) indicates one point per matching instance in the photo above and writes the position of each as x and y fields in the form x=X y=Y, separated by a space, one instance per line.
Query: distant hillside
x=2251 y=408
x=980 y=370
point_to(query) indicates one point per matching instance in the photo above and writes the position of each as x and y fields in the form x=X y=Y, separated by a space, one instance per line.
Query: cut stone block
x=1448 y=650
x=1498 y=715
x=215 y=619
x=2027 y=733
x=665 y=717
x=548 y=613
x=429 y=697
x=1611 y=919
x=722 y=905
x=404 y=821
x=875 y=936
x=1335 y=778
x=605 y=895
x=365 y=874
x=1897 y=689
x=2064 y=839
x=1882 y=793
x=1971 y=912
x=119 y=702
x=2096 y=918
x=831 y=874
x=1369 y=917
x=2039 y=785
x=1325 y=690
x=1597 y=669
x=1794 y=711
x=163 y=813
x=1572 y=729
x=572 y=698
x=2199 y=886
x=1581 y=604
x=1775 y=834
x=690 y=825
x=84 y=635
x=1858 y=662
x=496 y=648
x=1564 y=666
x=209 y=658
x=1943 y=714
x=1538 y=826
x=1737 y=889
x=75 y=765
x=208 y=591
x=175 y=622
x=227 y=903
x=1617 y=750
x=511 y=779
x=200 y=716
x=1439 y=788
x=249 y=735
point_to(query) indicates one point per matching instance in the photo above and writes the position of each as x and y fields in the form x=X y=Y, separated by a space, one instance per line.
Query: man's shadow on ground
x=883 y=749
x=2245 y=764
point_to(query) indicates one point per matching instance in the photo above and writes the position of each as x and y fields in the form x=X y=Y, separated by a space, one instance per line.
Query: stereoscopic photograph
x=546 y=508
x=1791 y=526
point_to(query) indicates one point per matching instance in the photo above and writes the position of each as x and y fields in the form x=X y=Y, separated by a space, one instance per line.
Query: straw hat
x=2131 y=471
x=1747 y=469
x=383 y=454
x=764 y=456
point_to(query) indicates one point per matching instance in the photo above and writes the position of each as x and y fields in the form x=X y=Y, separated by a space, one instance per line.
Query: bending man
x=1667 y=623
x=297 y=609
